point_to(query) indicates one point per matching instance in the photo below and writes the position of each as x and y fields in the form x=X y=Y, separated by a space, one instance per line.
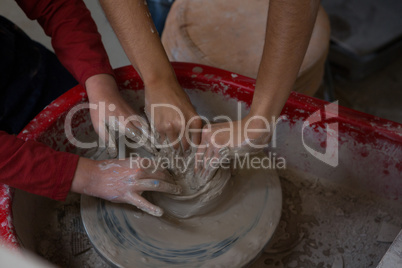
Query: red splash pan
x=369 y=148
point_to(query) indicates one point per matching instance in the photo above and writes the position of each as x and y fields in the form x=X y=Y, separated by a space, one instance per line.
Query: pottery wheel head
x=230 y=235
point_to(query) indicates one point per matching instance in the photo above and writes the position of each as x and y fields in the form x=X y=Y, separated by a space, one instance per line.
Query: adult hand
x=286 y=41
x=167 y=105
x=111 y=114
x=122 y=181
x=170 y=111
x=224 y=141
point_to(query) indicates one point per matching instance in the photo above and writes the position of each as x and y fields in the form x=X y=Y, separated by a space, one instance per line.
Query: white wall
x=10 y=10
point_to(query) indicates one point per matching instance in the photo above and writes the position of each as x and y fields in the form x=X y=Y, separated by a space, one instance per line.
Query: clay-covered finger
x=130 y=131
x=167 y=148
x=203 y=149
x=215 y=161
x=103 y=145
x=143 y=168
x=208 y=172
x=138 y=130
x=142 y=124
x=199 y=158
x=155 y=137
x=223 y=152
x=172 y=135
x=208 y=156
x=184 y=145
x=133 y=133
x=194 y=133
x=139 y=137
x=103 y=134
x=212 y=164
x=143 y=204
x=155 y=173
x=205 y=176
x=111 y=144
x=154 y=185
x=161 y=140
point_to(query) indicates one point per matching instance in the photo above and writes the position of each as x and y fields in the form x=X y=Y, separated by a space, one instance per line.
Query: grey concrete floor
x=379 y=94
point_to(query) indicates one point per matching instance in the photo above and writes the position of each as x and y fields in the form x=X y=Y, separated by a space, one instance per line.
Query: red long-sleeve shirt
x=74 y=34
x=36 y=168
x=32 y=166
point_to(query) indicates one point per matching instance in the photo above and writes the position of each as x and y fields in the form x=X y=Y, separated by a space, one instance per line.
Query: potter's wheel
x=232 y=235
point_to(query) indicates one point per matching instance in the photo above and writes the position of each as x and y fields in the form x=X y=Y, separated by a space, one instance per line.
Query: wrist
x=100 y=83
x=256 y=121
x=82 y=175
x=259 y=115
x=258 y=128
x=268 y=101
x=168 y=89
x=160 y=81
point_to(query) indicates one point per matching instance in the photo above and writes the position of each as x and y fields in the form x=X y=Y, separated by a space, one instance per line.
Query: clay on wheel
x=197 y=198
x=199 y=195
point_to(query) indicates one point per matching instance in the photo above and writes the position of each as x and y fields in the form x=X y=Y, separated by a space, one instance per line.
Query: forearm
x=101 y=87
x=35 y=168
x=135 y=30
x=82 y=175
x=289 y=28
x=75 y=38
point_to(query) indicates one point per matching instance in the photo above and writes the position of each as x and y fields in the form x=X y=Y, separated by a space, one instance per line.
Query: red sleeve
x=36 y=168
x=74 y=34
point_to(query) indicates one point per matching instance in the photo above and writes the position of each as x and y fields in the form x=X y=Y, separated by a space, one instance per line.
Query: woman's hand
x=167 y=106
x=228 y=140
x=123 y=181
x=289 y=28
x=171 y=114
x=111 y=113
